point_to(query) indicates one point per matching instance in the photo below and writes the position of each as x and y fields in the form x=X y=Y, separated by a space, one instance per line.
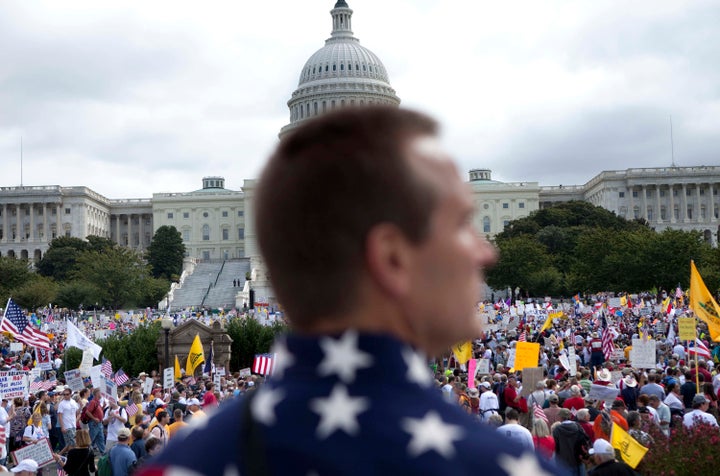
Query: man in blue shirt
x=122 y=458
x=366 y=228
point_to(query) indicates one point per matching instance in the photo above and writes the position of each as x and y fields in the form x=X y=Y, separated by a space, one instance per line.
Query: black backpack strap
x=251 y=443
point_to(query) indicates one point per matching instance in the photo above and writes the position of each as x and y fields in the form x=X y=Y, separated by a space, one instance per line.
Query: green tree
x=14 y=273
x=521 y=256
x=250 y=338
x=99 y=243
x=165 y=253
x=134 y=352
x=36 y=292
x=73 y=293
x=153 y=291
x=60 y=258
x=117 y=274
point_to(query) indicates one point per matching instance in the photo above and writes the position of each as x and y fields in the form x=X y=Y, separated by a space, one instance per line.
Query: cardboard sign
x=686 y=328
x=642 y=355
x=216 y=381
x=472 y=372
x=97 y=377
x=511 y=359
x=13 y=383
x=109 y=389
x=168 y=377
x=530 y=377
x=86 y=363
x=614 y=302
x=526 y=355
x=43 y=358
x=74 y=380
x=39 y=452
x=148 y=385
x=617 y=354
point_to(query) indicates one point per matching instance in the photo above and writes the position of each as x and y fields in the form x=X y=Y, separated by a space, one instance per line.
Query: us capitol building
x=217 y=223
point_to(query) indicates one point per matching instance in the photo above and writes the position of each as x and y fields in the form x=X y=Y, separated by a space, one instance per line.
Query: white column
x=140 y=233
x=6 y=229
x=644 y=214
x=631 y=204
x=46 y=230
x=683 y=213
x=58 y=219
x=18 y=224
x=129 y=231
x=672 y=203
x=658 y=216
x=32 y=222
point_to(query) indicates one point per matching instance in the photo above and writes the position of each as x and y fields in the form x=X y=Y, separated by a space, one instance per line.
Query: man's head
x=123 y=436
x=700 y=402
x=602 y=451
x=360 y=209
x=26 y=467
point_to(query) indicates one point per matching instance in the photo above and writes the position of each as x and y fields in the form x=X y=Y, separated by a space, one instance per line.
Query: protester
x=542 y=439
x=68 y=412
x=571 y=443
x=390 y=284
x=122 y=459
x=603 y=455
x=81 y=459
x=514 y=431
x=699 y=414
x=26 y=467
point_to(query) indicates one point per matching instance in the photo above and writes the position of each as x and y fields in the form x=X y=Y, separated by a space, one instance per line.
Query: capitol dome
x=341 y=73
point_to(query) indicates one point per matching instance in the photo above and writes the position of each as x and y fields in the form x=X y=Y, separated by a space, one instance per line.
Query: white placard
x=39 y=452
x=110 y=389
x=573 y=361
x=246 y=372
x=148 y=385
x=74 y=380
x=16 y=346
x=14 y=383
x=601 y=392
x=220 y=371
x=614 y=302
x=97 y=377
x=483 y=366
x=642 y=355
x=511 y=358
x=216 y=381
x=86 y=363
x=168 y=377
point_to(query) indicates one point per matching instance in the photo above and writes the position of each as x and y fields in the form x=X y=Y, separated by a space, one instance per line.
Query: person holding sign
x=34 y=431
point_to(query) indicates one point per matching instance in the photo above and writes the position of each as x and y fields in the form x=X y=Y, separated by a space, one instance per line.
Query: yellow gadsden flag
x=195 y=357
x=463 y=352
x=178 y=373
x=703 y=304
x=632 y=452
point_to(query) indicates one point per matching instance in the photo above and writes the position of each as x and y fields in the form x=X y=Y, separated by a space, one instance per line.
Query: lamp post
x=167 y=324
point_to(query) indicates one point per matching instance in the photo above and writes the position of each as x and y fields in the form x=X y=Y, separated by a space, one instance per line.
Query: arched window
x=206 y=232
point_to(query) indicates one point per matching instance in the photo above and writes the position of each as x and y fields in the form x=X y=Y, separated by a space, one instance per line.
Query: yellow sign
x=526 y=355
x=686 y=328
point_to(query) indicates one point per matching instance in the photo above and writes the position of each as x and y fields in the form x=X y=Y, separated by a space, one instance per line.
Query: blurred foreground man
x=366 y=229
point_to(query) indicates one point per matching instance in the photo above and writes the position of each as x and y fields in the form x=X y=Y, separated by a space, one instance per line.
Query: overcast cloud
x=141 y=97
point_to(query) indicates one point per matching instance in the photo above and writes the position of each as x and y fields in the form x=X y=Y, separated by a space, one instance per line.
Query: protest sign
x=645 y=311
x=86 y=363
x=43 y=358
x=511 y=358
x=614 y=302
x=617 y=354
x=686 y=328
x=601 y=392
x=246 y=372
x=216 y=380
x=472 y=372
x=39 y=452
x=642 y=355
x=16 y=346
x=109 y=389
x=565 y=361
x=13 y=383
x=74 y=380
x=148 y=385
x=573 y=361
x=526 y=355
x=615 y=375
x=483 y=367
x=97 y=377
x=168 y=377
x=220 y=371
x=530 y=377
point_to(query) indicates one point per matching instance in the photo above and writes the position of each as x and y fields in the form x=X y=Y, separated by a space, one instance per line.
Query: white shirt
x=690 y=417
x=488 y=402
x=68 y=409
x=114 y=425
x=34 y=432
x=518 y=433
x=673 y=401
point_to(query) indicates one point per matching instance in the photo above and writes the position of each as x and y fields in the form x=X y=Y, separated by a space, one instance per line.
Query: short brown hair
x=327 y=184
x=82 y=439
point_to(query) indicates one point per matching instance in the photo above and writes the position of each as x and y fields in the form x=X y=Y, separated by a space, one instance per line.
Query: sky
x=135 y=98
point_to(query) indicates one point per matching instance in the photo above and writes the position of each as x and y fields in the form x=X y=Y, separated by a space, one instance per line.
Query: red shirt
x=574 y=402
x=209 y=400
x=545 y=446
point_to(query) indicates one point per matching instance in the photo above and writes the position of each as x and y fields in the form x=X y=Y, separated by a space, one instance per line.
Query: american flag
x=523 y=337
x=37 y=385
x=16 y=323
x=131 y=409
x=699 y=348
x=538 y=413
x=607 y=343
x=2 y=435
x=121 y=377
x=106 y=367
x=263 y=364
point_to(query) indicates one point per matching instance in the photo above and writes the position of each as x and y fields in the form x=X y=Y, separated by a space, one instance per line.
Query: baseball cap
x=486 y=385
x=699 y=398
x=601 y=447
x=123 y=434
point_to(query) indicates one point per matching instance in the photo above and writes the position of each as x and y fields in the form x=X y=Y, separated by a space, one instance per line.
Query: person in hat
x=392 y=276
x=602 y=426
x=603 y=455
x=474 y=397
x=604 y=378
x=629 y=392
x=489 y=404
x=26 y=467
x=699 y=414
x=122 y=458
x=194 y=411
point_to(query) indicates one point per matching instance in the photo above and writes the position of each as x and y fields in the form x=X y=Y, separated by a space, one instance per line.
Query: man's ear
x=389 y=257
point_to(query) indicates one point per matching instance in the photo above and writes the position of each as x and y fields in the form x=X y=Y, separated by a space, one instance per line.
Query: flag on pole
x=703 y=304
x=106 y=367
x=263 y=364
x=209 y=366
x=76 y=338
x=463 y=352
x=121 y=377
x=699 y=348
x=195 y=357
x=16 y=323
x=538 y=413
x=631 y=451
x=178 y=373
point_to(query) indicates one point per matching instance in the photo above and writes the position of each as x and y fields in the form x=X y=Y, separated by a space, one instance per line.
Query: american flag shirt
x=352 y=405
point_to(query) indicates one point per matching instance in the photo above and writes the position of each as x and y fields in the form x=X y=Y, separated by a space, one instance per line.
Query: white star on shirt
x=418 y=371
x=523 y=466
x=263 y=406
x=431 y=433
x=338 y=412
x=342 y=357
x=283 y=358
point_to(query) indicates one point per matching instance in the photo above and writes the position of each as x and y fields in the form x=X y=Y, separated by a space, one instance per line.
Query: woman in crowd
x=34 y=431
x=81 y=459
x=543 y=441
